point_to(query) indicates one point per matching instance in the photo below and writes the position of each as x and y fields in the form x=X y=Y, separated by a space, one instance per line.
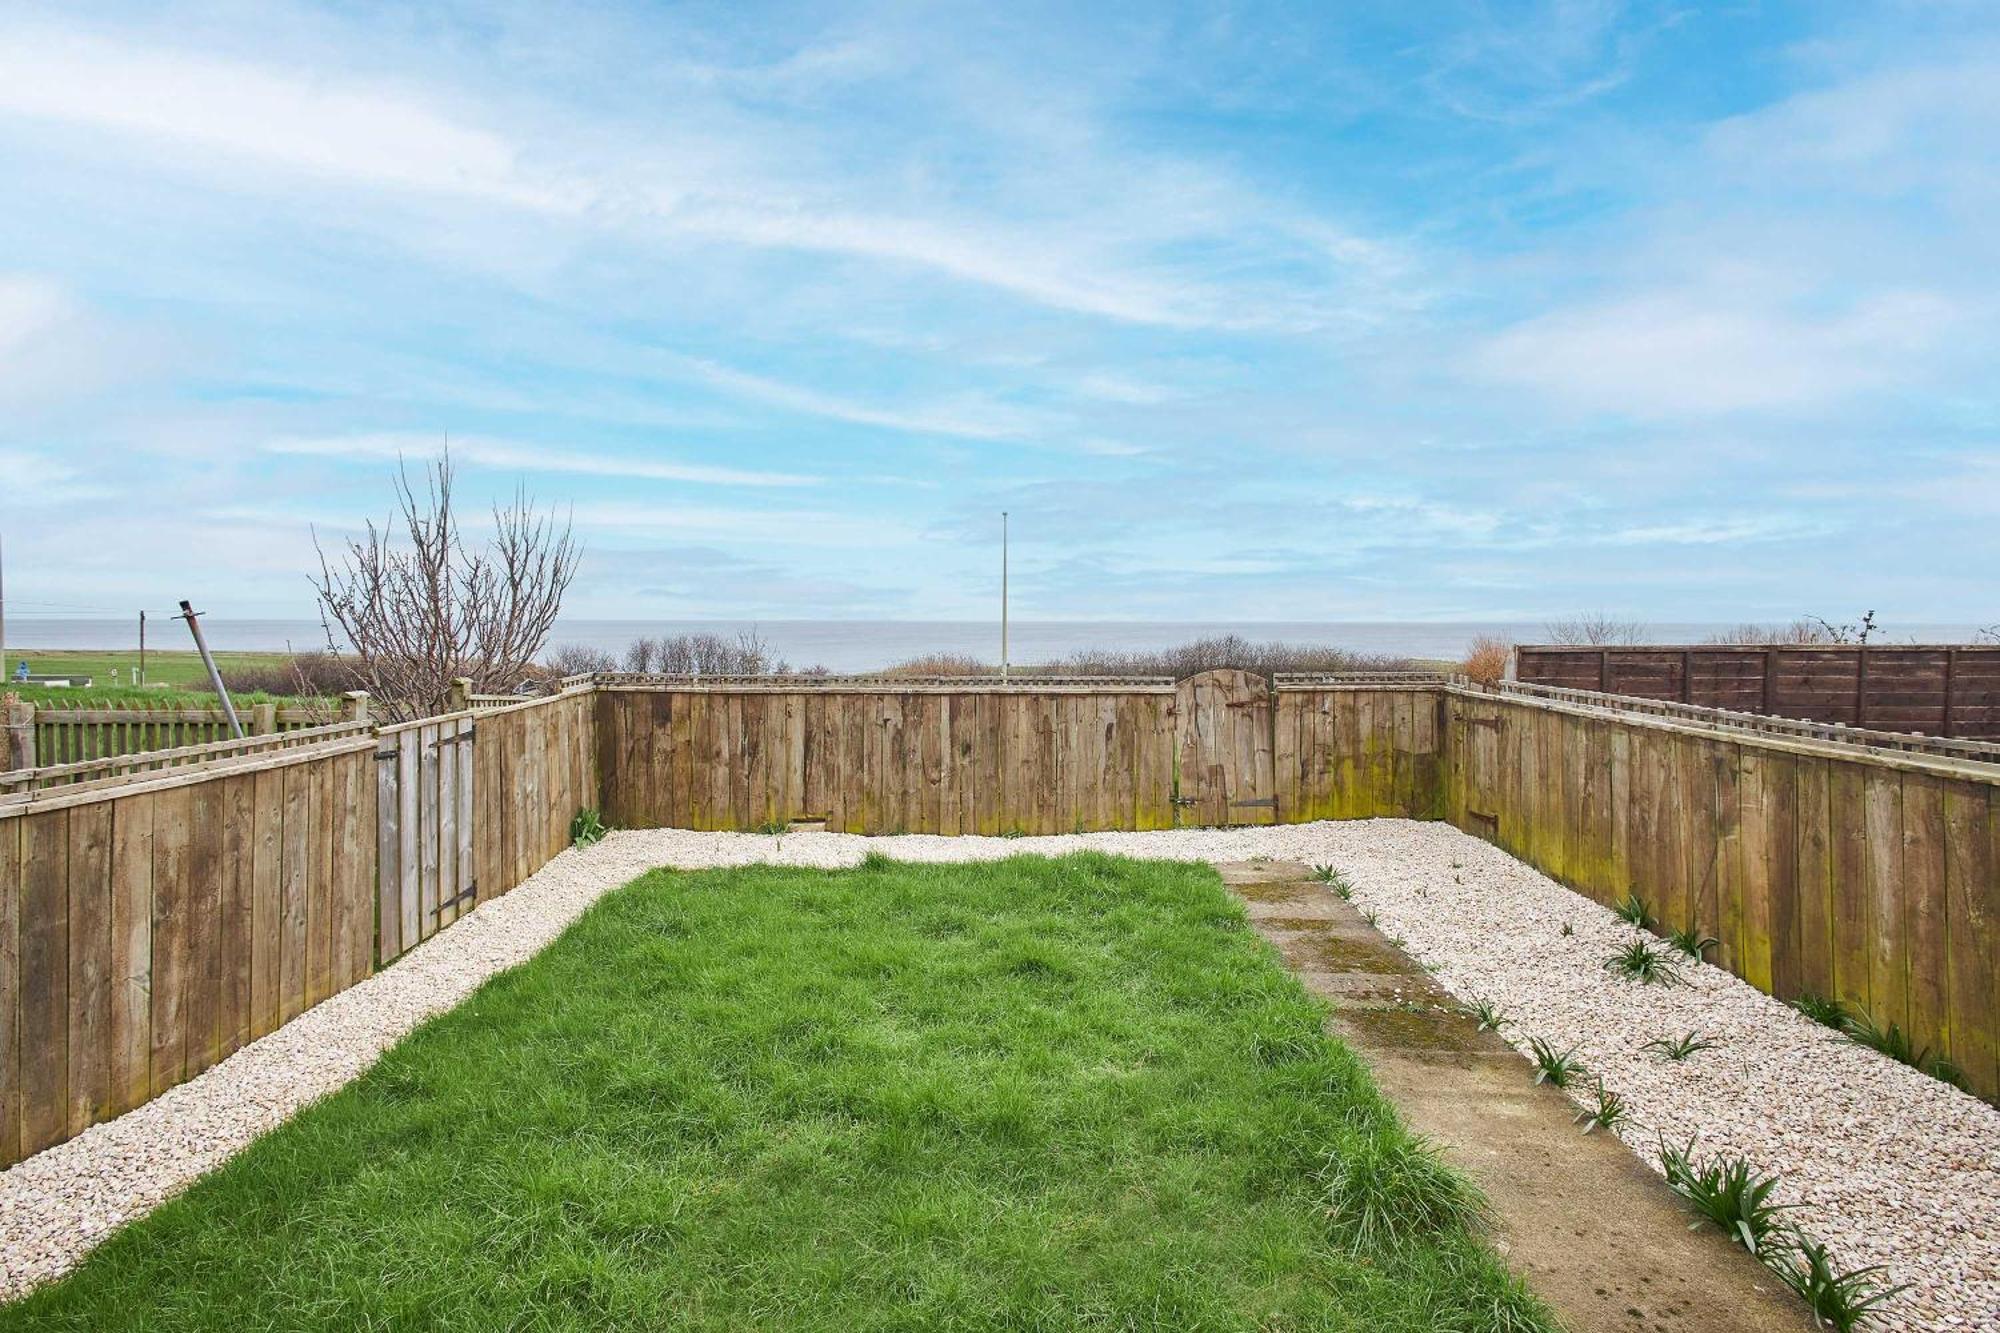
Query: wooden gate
x=1222 y=746
x=424 y=855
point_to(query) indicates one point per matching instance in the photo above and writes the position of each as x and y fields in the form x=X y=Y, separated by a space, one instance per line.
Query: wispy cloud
x=520 y=456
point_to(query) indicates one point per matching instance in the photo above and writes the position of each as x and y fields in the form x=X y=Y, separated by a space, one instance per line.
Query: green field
x=173 y=679
x=1031 y=1094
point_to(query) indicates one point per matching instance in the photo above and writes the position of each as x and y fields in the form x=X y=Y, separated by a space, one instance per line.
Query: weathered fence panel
x=534 y=765
x=1942 y=690
x=73 y=735
x=888 y=757
x=424 y=777
x=147 y=932
x=1870 y=877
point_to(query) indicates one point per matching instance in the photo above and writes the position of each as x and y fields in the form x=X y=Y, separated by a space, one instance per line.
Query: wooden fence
x=149 y=930
x=1944 y=689
x=872 y=755
x=73 y=735
x=1869 y=876
x=152 y=921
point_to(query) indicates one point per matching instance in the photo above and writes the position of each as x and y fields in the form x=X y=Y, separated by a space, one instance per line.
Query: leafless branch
x=419 y=607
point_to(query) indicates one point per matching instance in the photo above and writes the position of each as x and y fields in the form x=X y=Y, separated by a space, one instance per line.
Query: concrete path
x=1592 y=1229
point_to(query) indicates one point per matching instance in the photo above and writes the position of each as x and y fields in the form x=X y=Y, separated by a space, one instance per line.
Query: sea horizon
x=871 y=644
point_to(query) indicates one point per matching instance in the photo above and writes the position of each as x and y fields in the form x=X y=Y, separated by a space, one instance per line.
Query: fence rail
x=73 y=735
x=1949 y=690
x=1906 y=742
x=21 y=783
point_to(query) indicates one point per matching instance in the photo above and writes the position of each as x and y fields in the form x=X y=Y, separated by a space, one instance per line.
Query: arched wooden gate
x=1222 y=747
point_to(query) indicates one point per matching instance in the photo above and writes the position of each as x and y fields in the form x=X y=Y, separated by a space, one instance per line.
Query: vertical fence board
x=89 y=966
x=10 y=990
x=173 y=829
x=130 y=1038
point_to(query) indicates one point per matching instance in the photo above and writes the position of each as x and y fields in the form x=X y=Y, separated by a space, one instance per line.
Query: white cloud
x=972 y=418
x=713 y=174
x=291 y=117
x=1693 y=354
x=29 y=306
x=483 y=451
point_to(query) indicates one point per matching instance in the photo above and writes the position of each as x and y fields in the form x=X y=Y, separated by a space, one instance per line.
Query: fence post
x=264 y=720
x=354 y=706
x=461 y=694
x=19 y=750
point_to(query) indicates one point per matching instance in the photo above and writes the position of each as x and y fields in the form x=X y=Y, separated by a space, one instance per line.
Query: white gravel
x=1893 y=1167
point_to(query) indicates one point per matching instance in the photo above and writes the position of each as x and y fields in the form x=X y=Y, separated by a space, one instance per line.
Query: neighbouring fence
x=71 y=735
x=1944 y=689
x=158 y=912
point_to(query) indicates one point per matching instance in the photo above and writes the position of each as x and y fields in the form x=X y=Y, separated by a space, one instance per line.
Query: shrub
x=1486 y=660
x=303 y=675
x=1838 y=1300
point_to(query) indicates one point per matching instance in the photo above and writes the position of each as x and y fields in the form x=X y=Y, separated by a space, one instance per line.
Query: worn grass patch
x=1050 y=1094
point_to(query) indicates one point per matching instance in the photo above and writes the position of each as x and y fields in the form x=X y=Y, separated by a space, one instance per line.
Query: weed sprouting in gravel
x=1369 y=916
x=1385 y=1192
x=1568 y=930
x=1642 y=962
x=587 y=828
x=1634 y=910
x=1691 y=941
x=1895 y=1043
x=771 y=828
x=1821 y=1010
x=1729 y=1193
x=1335 y=880
x=1557 y=1070
x=1608 y=1113
x=1838 y=1300
x=1680 y=1048
x=1487 y=1014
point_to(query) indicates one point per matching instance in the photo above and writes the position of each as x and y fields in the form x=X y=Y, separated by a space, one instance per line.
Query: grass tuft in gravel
x=1634 y=910
x=1681 y=1047
x=587 y=829
x=1558 y=1069
x=1893 y=1042
x=1025 y=1093
x=1729 y=1193
x=1821 y=1010
x=1335 y=880
x=1691 y=941
x=1487 y=1014
x=1644 y=963
x=1607 y=1110
x=1838 y=1300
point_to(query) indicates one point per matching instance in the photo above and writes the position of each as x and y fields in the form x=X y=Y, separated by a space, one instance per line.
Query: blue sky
x=1317 y=311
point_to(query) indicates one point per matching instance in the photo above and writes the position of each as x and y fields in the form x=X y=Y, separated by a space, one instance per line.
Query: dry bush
x=1594 y=629
x=304 y=676
x=1222 y=651
x=422 y=607
x=1486 y=659
x=942 y=664
x=746 y=654
x=1802 y=630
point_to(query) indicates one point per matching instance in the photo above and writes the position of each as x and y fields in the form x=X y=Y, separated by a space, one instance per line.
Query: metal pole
x=192 y=616
x=1003 y=594
x=3 y=611
x=142 y=647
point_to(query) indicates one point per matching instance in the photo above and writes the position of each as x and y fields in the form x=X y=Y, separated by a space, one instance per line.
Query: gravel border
x=1894 y=1167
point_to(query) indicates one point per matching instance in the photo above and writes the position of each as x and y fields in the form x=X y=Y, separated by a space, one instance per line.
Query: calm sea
x=864 y=645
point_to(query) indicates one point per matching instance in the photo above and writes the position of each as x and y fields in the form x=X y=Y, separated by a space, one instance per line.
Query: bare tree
x=1803 y=630
x=420 y=607
x=1991 y=634
x=1594 y=628
x=1855 y=633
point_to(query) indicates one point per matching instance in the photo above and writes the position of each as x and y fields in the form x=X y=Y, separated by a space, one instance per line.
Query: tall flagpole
x=1003 y=594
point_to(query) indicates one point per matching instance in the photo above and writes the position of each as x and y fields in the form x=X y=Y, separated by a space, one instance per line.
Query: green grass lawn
x=182 y=675
x=1032 y=1094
